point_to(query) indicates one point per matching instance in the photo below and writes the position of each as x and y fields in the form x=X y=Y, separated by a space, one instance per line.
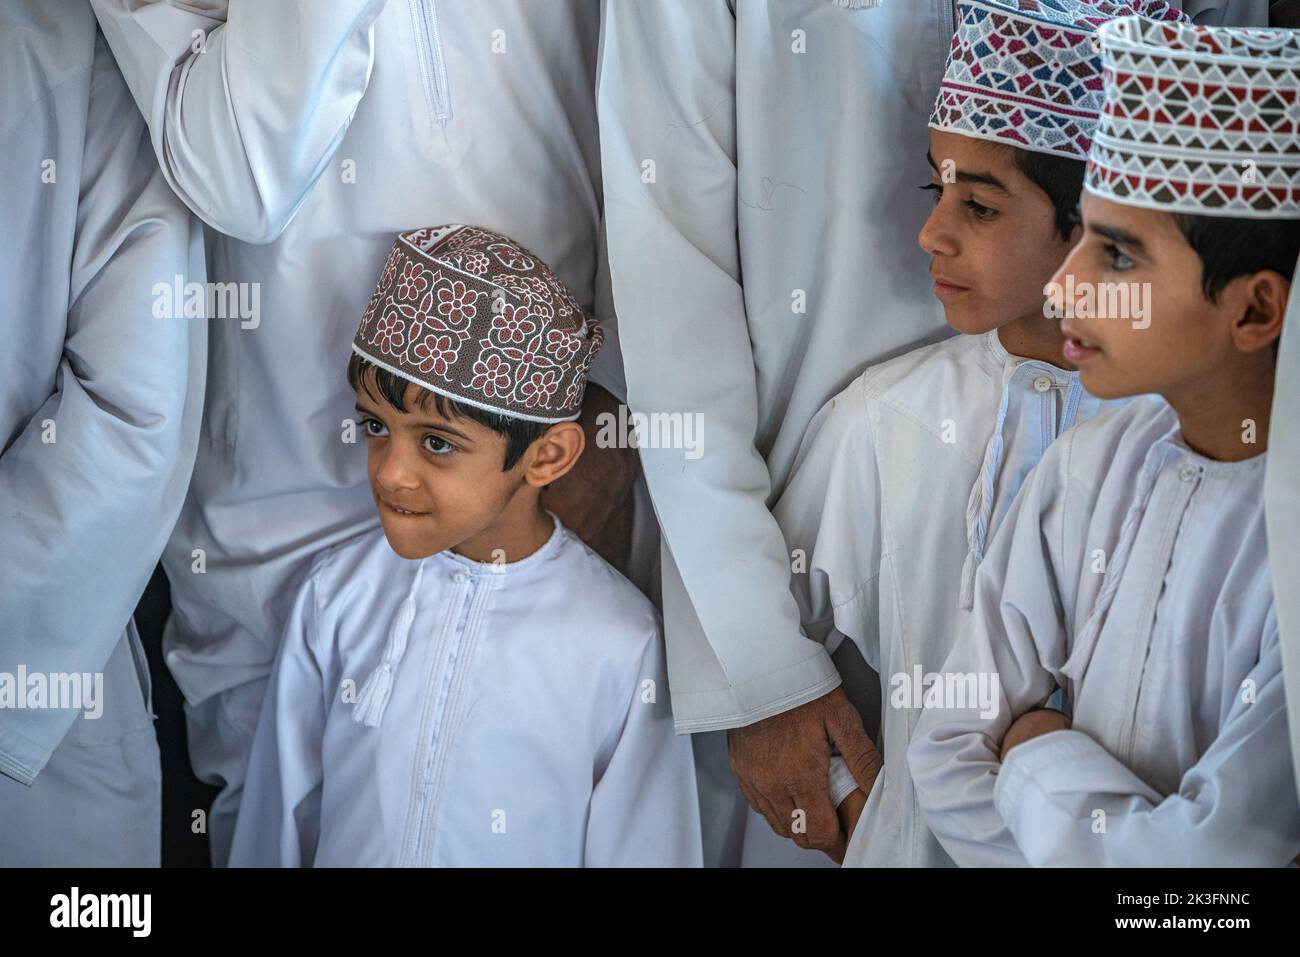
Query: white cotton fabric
x=99 y=419
x=896 y=477
x=1178 y=751
x=528 y=721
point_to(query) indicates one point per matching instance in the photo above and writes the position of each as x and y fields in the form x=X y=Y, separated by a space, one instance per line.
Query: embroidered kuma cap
x=1200 y=120
x=474 y=316
x=1026 y=72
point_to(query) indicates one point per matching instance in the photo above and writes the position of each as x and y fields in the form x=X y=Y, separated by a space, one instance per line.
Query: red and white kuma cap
x=1026 y=72
x=1200 y=120
x=471 y=314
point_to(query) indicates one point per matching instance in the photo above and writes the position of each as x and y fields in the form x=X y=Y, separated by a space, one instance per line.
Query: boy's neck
x=1225 y=416
x=521 y=528
x=1035 y=337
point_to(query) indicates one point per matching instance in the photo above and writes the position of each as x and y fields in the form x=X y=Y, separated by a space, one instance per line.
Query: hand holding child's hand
x=1030 y=725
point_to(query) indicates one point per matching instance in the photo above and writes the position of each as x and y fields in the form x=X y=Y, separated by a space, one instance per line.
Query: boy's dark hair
x=519 y=433
x=1230 y=247
x=1061 y=178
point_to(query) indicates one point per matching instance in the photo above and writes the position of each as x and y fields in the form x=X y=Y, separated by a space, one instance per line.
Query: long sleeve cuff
x=1046 y=787
x=841 y=780
x=737 y=706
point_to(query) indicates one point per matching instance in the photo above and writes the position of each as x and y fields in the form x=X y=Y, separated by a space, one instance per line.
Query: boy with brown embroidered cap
x=470 y=684
x=1133 y=569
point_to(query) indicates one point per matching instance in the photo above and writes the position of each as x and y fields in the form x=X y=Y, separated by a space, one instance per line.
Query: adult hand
x=783 y=765
x=594 y=499
x=1030 y=725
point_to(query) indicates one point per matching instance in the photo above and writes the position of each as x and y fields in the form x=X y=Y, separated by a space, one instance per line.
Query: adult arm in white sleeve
x=1069 y=802
x=1282 y=509
x=666 y=96
x=279 y=814
x=645 y=807
x=91 y=488
x=246 y=100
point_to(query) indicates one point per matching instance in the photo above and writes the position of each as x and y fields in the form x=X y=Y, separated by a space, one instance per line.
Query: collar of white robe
x=374 y=695
x=979 y=507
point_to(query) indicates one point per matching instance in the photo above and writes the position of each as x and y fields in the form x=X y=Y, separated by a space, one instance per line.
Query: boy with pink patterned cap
x=904 y=477
x=470 y=684
x=1133 y=569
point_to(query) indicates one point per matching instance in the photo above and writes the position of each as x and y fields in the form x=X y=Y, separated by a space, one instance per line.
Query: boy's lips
x=947 y=289
x=1076 y=348
x=399 y=510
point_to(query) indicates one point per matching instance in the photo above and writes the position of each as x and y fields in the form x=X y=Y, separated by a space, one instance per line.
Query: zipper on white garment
x=433 y=66
x=447 y=711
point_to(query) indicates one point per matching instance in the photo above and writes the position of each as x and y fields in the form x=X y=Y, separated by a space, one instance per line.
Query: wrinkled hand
x=1030 y=725
x=594 y=500
x=783 y=763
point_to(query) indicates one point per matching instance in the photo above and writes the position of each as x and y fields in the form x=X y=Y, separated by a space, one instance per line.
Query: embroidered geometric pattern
x=1026 y=72
x=473 y=315
x=1199 y=120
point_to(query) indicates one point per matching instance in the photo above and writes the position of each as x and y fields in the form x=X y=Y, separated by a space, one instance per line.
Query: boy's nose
x=396 y=470
x=934 y=237
x=1065 y=269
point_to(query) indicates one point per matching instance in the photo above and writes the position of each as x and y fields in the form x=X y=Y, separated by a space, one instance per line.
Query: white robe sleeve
x=666 y=96
x=1282 y=508
x=644 y=808
x=91 y=488
x=1015 y=632
x=830 y=516
x=279 y=814
x=244 y=127
x=1235 y=807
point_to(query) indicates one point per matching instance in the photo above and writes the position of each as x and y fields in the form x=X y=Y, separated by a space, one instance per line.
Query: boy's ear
x=553 y=454
x=1263 y=310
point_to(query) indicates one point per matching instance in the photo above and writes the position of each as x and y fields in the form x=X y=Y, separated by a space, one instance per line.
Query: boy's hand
x=594 y=500
x=1030 y=725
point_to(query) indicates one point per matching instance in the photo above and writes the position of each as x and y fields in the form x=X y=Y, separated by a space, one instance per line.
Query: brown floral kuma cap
x=473 y=315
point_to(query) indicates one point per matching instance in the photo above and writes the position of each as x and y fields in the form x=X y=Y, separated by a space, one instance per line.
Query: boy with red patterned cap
x=1133 y=569
x=904 y=477
x=471 y=685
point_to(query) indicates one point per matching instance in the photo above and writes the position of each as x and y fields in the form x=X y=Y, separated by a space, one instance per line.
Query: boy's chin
x=968 y=322
x=411 y=547
x=1102 y=383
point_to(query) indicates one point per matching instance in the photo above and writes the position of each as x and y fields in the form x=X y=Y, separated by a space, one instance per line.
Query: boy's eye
x=437 y=445
x=1117 y=258
x=935 y=188
x=373 y=427
x=980 y=210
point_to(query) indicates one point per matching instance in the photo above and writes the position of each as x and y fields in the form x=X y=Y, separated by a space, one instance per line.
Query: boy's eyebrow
x=982 y=179
x=1117 y=235
x=426 y=424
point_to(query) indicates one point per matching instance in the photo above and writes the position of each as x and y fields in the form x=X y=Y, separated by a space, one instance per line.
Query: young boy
x=516 y=708
x=1133 y=568
x=904 y=475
